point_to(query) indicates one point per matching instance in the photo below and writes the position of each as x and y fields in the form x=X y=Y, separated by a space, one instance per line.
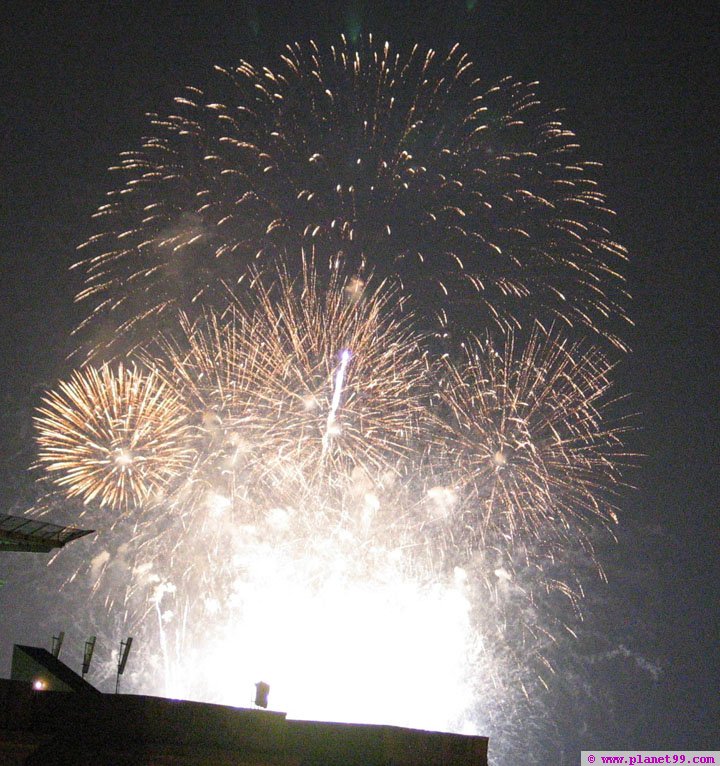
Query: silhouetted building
x=83 y=727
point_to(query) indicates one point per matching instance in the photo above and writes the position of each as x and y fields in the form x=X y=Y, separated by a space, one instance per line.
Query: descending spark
x=330 y=429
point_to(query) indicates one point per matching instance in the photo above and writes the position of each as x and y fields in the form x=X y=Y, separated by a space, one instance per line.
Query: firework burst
x=473 y=196
x=536 y=458
x=300 y=384
x=342 y=374
x=114 y=437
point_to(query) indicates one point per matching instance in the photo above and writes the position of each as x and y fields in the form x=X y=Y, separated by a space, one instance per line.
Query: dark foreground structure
x=21 y=533
x=83 y=727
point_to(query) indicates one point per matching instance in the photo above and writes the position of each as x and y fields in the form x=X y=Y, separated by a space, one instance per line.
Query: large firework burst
x=114 y=437
x=473 y=196
x=534 y=453
x=341 y=375
x=301 y=385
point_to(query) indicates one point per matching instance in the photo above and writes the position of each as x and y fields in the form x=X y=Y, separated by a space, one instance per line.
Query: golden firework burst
x=471 y=196
x=301 y=382
x=114 y=436
x=528 y=437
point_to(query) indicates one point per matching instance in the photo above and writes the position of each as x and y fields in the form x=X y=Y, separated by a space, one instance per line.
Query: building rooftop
x=20 y=533
x=38 y=666
x=47 y=727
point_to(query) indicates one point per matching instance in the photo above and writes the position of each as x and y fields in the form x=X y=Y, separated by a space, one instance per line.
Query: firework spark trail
x=408 y=167
x=337 y=393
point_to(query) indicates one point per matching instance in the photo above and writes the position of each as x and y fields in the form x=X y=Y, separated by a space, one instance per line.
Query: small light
x=218 y=504
x=123 y=458
x=39 y=685
x=500 y=458
x=310 y=403
x=354 y=289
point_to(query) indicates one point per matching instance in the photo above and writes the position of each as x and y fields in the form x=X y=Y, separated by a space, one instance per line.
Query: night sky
x=637 y=85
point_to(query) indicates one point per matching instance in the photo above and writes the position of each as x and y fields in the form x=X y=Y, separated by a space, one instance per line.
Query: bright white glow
x=500 y=458
x=388 y=650
x=218 y=504
x=442 y=500
x=123 y=458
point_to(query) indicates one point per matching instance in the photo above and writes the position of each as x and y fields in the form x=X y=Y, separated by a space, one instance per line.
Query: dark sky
x=638 y=84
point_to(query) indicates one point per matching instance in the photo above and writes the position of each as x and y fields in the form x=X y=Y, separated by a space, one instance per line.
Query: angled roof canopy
x=18 y=533
x=32 y=663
